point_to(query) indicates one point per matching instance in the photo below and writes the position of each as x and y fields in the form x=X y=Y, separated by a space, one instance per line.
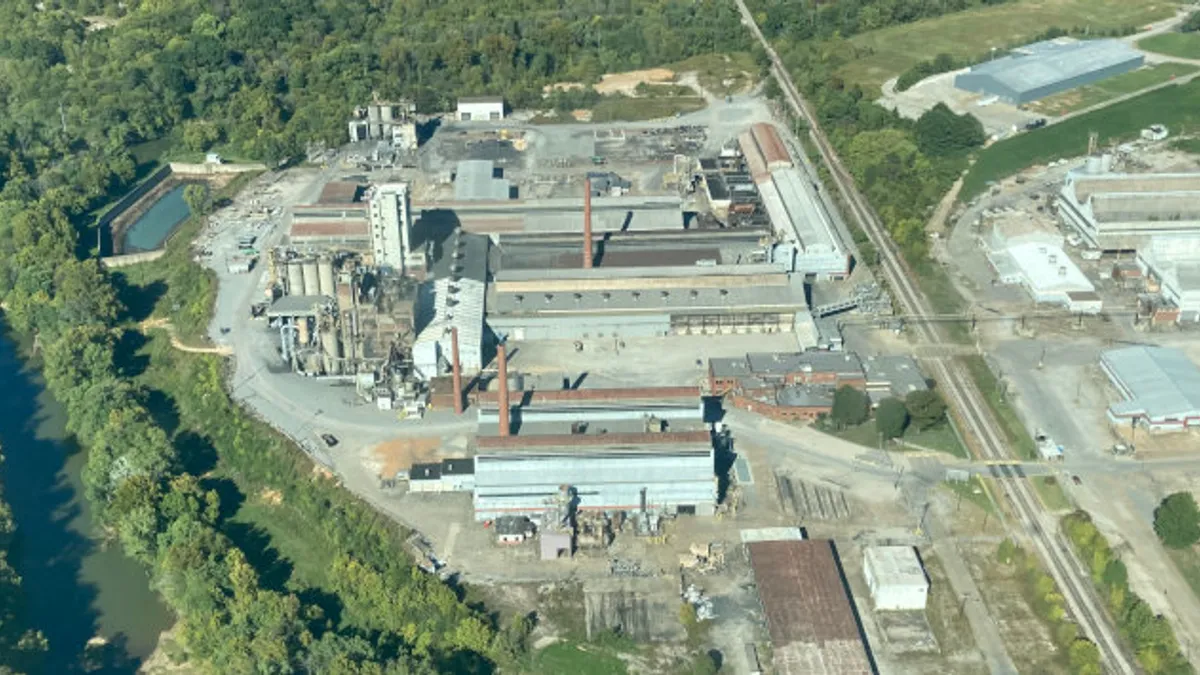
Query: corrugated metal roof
x=1159 y=382
x=455 y=304
x=587 y=470
x=1050 y=62
x=812 y=622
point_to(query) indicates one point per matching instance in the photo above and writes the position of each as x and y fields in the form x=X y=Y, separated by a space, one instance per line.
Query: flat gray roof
x=744 y=299
x=900 y=373
x=297 y=305
x=473 y=180
x=770 y=363
x=678 y=271
x=1158 y=382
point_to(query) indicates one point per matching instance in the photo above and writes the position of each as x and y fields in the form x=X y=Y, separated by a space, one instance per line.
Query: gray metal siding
x=1078 y=81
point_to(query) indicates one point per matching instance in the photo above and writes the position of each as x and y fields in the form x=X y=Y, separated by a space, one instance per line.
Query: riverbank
x=77 y=587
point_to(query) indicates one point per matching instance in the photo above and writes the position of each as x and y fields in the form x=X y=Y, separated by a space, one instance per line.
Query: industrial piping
x=587 y=224
x=502 y=376
x=457 y=370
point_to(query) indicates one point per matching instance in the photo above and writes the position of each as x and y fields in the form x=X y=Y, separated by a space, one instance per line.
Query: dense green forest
x=170 y=457
x=266 y=76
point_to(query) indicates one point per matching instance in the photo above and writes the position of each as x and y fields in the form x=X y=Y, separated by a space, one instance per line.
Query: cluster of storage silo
x=311 y=276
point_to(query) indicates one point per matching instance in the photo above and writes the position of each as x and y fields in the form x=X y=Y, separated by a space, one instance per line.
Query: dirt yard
x=627 y=83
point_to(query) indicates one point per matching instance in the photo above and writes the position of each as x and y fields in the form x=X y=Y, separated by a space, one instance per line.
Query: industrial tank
x=302 y=335
x=312 y=283
x=295 y=278
x=329 y=345
x=325 y=276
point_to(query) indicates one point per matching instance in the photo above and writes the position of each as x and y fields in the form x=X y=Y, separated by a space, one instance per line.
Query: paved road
x=966 y=401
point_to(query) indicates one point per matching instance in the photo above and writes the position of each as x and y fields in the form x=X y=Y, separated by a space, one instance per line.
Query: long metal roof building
x=523 y=475
x=1044 y=68
x=813 y=625
x=1160 y=387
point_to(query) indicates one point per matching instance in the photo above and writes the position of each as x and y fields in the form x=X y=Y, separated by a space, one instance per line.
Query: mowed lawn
x=891 y=51
x=1106 y=90
x=1182 y=45
x=1178 y=107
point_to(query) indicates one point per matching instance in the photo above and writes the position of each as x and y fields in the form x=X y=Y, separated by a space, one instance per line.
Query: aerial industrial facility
x=1044 y=68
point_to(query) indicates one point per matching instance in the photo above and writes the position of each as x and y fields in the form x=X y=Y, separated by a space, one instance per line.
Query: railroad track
x=964 y=397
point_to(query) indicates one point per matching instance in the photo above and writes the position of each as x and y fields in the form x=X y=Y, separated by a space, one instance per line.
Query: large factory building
x=1116 y=211
x=1044 y=68
x=665 y=472
x=579 y=304
x=810 y=243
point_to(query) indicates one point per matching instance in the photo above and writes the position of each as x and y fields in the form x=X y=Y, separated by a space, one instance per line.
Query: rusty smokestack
x=457 y=371
x=502 y=365
x=587 y=224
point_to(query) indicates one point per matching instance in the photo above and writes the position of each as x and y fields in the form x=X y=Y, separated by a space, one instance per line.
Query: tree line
x=264 y=78
x=1149 y=634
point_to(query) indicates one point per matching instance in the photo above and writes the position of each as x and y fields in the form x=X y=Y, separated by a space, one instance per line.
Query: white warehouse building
x=895 y=577
x=1047 y=274
x=480 y=109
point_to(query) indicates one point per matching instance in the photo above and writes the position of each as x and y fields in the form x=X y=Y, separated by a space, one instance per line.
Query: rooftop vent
x=637 y=294
x=519 y=298
x=549 y=297
x=666 y=294
x=606 y=295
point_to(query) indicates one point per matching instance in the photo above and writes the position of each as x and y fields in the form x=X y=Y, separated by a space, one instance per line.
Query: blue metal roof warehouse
x=1044 y=68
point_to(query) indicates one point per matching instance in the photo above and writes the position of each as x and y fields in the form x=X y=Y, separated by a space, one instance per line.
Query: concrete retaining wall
x=114 y=261
x=205 y=169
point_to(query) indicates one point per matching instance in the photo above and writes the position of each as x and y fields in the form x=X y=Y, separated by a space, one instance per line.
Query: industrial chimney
x=502 y=376
x=457 y=371
x=587 y=223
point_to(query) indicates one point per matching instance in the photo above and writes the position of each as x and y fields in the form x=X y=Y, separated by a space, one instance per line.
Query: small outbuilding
x=896 y=578
x=480 y=109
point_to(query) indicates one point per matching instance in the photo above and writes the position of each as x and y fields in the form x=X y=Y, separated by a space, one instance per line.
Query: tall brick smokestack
x=457 y=365
x=587 y=224
x=502 y=376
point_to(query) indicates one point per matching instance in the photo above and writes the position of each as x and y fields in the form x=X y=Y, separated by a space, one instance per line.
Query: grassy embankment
x=964 y=35
x=1177 y=107
x=1181 y=45
x=721 y=74
x=1113 y=87
x=654 y=101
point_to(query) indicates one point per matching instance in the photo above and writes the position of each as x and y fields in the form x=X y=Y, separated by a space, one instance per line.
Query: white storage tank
x=295 y=278
x=312 y=280
x=325 y=275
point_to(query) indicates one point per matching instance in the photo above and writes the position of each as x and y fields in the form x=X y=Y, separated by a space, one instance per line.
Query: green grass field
x=940 y=438
x=1051 y=493
x=891 y=51
x=721 y=74
x=972 y=492
x=1105 y=90
x=1182 y=45
x=629 y=109
x=571 y=657
x=1191 y=145
x=1188 y=562
x=1177 y=107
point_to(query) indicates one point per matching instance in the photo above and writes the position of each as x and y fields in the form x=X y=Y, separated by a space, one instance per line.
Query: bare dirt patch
x=271 y=497
x=627 y=83
x=400 y=454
